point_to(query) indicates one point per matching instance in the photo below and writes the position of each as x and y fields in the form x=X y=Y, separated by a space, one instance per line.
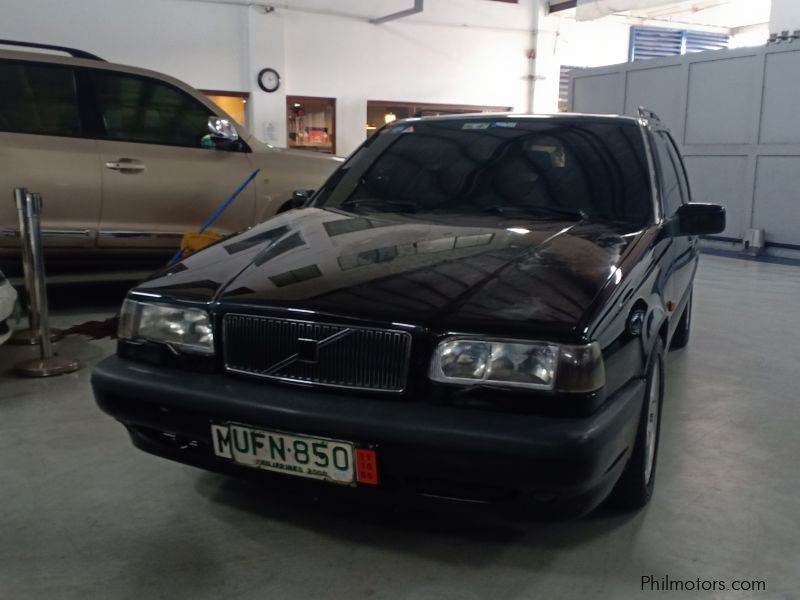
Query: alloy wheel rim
x=652 y=423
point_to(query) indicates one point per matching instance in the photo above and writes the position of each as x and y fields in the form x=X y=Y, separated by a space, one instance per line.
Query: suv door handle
x=126 y=165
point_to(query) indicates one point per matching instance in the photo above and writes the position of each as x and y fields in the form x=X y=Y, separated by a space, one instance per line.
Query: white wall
x=564 y=41
x=456 y=51
x=265 y=36
x=754 y=35
x=592 y=43
x=402 y=61
x=198 y=43
x=480 y=13
x=785 y=16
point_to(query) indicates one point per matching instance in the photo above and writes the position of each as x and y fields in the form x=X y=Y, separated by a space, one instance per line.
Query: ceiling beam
x=417 y=8
x=558 y=6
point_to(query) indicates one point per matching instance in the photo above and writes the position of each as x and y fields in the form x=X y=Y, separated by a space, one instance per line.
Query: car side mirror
x=301 y=198
x=698 y=219
x=222 y=131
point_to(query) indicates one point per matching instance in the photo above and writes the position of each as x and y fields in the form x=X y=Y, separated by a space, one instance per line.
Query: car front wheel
x=635 y=485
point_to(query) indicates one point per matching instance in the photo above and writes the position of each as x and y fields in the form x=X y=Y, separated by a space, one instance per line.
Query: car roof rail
x=74 y=52
x=646 y=113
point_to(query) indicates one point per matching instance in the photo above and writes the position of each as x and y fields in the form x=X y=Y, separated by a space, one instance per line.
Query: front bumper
x=559 y=465
x=8 y=299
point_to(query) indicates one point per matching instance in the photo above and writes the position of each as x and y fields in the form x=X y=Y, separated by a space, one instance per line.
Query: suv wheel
x=681 y=336
x=635 y=485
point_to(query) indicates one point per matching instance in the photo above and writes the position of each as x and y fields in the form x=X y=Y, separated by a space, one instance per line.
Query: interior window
x=670 y=179
x=38 y=99
x=136 y=109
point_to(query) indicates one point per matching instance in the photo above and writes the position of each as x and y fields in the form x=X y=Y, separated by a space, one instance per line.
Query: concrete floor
x=83 y=514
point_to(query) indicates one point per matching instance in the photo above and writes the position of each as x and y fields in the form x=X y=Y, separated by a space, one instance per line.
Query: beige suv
x=127 y=159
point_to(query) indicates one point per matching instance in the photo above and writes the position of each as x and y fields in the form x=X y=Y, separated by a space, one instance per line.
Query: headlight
x=185 y=329
x=532 y=365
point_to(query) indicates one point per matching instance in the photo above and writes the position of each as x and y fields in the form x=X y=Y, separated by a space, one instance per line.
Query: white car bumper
x=8 y=298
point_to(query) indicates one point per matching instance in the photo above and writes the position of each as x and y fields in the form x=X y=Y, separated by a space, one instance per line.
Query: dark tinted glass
x=144 y=110
x=670 y=175
x=38 y=99
x=484 y=165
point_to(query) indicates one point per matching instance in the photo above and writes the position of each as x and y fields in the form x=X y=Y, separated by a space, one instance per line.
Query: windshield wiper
x=512 y=211
x=377 y=203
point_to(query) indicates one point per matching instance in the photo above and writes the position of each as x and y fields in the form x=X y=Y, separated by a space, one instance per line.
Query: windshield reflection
x=557 y=168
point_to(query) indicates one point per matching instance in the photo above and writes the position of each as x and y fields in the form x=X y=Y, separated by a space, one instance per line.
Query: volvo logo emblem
x=307 y=351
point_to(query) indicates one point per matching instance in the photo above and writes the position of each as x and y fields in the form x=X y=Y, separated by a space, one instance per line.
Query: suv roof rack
x=74 y=52
x=646 y=113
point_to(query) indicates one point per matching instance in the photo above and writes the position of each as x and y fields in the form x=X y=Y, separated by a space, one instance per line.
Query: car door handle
x=126 y=165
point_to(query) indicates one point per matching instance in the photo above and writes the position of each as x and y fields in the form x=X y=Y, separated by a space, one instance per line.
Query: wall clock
x=269 y=80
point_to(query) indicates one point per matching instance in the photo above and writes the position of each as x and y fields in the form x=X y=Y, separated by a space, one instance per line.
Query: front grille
x=316 y=353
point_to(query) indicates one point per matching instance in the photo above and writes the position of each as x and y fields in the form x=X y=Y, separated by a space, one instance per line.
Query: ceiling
x=716 y=13
x=729 y=14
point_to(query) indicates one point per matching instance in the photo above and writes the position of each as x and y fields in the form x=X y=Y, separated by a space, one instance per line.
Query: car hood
x=452 y=273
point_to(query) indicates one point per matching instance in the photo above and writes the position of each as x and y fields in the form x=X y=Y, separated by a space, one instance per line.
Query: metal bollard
x=48 y=363
x=29 y=336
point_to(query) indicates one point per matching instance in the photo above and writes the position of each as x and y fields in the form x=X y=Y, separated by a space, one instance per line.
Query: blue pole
x=216 y=215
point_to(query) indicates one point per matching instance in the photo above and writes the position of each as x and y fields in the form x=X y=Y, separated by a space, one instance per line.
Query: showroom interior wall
x=564 y=41
x=456 y=51
x=578 y=40
x=402 y=62
x=752 y=35
x=200 y=44
x=733 y=114
x=785 y=16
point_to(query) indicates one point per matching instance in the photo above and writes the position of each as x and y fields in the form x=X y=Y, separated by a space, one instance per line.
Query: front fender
x=655 y=319
x=282 y=172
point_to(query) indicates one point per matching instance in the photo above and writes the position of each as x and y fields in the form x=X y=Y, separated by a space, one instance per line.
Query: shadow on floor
x=88 y=296
x=384 y=525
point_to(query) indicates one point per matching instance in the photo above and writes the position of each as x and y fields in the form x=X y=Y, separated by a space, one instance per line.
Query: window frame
x=90 y=111
x=98 y=105
x=83 y=117
x=679 y=169
x=323 y=100
x=683 y=176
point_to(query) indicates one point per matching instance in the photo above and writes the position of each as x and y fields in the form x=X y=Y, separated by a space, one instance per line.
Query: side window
x=671 y=177
x=38 y=98
x=136 y=109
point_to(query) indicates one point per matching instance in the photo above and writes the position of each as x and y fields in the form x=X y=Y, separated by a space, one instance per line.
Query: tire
x=680 y=338
x=635 y=486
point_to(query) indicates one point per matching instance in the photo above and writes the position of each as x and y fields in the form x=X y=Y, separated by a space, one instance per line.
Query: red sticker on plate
x=366 y=466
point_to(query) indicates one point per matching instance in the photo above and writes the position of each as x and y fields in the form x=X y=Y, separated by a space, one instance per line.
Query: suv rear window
x=472 y=165
x=38 y=99
x=136 y=109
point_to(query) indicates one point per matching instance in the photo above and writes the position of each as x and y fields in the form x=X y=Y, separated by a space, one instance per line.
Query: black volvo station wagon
x=472 y=308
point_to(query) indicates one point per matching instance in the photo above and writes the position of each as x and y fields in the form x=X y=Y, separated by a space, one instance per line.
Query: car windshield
x=548 y=168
